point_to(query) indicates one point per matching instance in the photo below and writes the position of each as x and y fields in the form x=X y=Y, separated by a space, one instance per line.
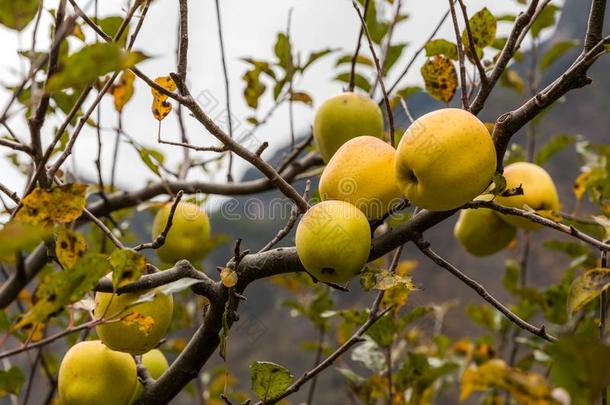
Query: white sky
x=250 y=28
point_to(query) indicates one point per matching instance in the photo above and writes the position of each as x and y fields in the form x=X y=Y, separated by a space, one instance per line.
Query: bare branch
x=419 y=51
x=595 y=25
x=227 y=87
x=538 y=219
x=460 y=49
x=160 y=239
x=379 y=73
x=473 y=49
x=352 y=75
x=424 y=247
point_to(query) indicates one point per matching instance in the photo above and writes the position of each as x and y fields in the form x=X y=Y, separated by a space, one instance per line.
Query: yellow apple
x=343 y=117
x=539 y=192
x=361 y=172
x=133 y=327
x=189 y=235
x=156 y=364
x=482 y=233
x=92 y=374
x=445 y=159
x=333 y=241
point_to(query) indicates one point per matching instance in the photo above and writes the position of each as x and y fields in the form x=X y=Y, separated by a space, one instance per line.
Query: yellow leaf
x=17 y=236
x=228 y=277
x=145 y=323
x=160 y=106
x=580 y=184
x=69 y=246
x=526 y=388
x=127 y=266
x=61 y=204
x=440 y=78
x=123 y=90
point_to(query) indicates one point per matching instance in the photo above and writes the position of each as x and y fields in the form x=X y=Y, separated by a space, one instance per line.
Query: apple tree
x=94 y=311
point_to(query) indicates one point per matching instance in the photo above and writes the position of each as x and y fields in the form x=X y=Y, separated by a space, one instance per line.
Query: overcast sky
x=250 y=28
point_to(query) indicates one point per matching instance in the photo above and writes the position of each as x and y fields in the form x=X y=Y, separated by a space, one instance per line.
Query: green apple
x=343 y=117
x=189 y=236
x=539 y=192
x=361 y=172
x=445 y=159
x=482 y=233
x=133 y=327
x=156 y=364
x=333 y=241
x=92 y=374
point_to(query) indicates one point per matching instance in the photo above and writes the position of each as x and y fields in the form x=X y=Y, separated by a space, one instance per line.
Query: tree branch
x=424 y=247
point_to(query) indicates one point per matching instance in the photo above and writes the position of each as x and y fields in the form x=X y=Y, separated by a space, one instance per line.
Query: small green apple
x=333 y=241
x=445 y=159
x=189 y=235
x=361 y=172
x=539 y=192
x=482 y=233
x=156 y=364
x=92 y=374
x=134 y=328
x=343 y=117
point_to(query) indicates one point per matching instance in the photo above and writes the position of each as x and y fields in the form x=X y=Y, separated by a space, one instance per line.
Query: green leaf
x=18 y=236
x=269 y=380
x=59 y=289
x=408 y=91
x=483 y=315
x=554 y=145
x=383 y=330
x=442 y=47
x=555 y=52
x=110 y=25
x=361 y=60
x=587 y=287
x=377 y=29
x=359 y=81
x=546 y=19
x=18 y=14
x=152 y=158
x=580 y=365
x=127 y=265
x=11 y=381
x=394 y=52
x=314 y=56
x=440 y=78
x=483 y=29
x=91 y=62
x=283 y=51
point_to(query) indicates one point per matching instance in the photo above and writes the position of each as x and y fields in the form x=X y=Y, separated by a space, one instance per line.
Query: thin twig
x=424 y=247
x=160 y=239
x=473 y=49
x=227 y=87
x=419 y=51
x=294 y=215
x=460 y=49
x=352 y=75
x=534 y=217
x=378 y=67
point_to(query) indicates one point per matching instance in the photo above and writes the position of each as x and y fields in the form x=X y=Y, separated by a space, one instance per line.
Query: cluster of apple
x=483 y=232
x=445 y=159
x=104 y=371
